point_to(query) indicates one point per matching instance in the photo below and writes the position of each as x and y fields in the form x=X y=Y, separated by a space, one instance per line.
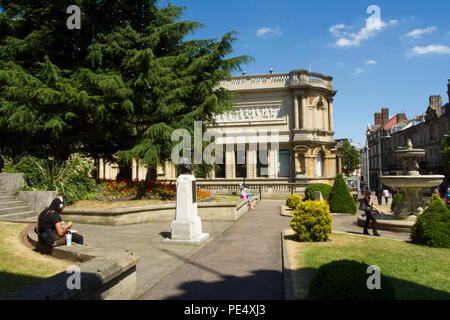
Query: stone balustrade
x=292 y=79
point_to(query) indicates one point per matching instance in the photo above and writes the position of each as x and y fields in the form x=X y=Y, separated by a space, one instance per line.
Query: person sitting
x=245 y=195
x=50 y=228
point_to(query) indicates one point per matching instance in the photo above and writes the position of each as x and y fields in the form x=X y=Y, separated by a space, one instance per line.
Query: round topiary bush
x=293 y=200
x=432 y=228
x=325 y=189
x=312 y=221
x=340 y=198
x=347 y=280
x=396 y=201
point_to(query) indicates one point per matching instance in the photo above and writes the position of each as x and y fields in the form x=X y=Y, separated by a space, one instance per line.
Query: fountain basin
x=423 y=182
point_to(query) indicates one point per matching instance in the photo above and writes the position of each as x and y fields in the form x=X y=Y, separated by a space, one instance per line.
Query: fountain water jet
x=412 y=184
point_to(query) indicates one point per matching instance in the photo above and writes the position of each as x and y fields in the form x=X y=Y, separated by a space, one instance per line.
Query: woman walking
x=370 y=214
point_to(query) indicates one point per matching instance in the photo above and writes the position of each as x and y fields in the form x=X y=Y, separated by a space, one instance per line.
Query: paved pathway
x=241 y=260
x=244 y=262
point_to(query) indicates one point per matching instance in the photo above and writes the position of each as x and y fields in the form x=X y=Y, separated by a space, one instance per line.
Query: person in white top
x=386 y=195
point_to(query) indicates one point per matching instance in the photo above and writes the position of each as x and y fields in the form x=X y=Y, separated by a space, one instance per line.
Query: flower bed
x=129 y=189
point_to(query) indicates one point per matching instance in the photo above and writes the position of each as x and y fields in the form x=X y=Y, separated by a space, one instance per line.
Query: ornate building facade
x=292 y=113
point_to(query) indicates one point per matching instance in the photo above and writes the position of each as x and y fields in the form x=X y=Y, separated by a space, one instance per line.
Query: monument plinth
x=187 y=226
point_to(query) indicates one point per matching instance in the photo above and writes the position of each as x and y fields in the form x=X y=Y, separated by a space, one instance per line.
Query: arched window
x=319 y=164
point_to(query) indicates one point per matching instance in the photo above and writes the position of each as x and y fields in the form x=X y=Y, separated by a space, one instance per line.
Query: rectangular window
x=283 y=163
x=241 y=164
x=262 y=164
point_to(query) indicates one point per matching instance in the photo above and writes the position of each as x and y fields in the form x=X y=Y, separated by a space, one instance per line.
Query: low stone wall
x=388 y=225
x=104 y=275
x=37 y=200
x=207 y=211
x=11 y=181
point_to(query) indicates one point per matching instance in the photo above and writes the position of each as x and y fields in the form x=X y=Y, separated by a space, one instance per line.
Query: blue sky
x=398 y=64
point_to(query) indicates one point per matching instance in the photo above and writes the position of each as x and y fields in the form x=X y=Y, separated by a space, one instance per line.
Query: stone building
x=295 y=109
x=426 y=131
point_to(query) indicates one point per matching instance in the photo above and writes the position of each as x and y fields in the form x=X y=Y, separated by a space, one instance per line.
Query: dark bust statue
x=185 y=166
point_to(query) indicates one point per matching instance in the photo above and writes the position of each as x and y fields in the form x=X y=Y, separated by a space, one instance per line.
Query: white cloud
x=432 y=48
x=351 y=39
x=417 y=33
x=359 y=70
x=370 y=61
x=266 y=31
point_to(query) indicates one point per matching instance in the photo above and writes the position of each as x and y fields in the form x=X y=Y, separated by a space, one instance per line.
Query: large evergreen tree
x=118 y=86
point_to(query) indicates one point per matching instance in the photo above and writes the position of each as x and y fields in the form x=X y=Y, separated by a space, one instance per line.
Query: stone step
x=25 y=216
x=7 y=198
x=12 y=203
x=14 y=209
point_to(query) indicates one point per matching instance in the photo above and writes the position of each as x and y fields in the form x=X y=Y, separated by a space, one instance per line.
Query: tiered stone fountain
x=412 y=184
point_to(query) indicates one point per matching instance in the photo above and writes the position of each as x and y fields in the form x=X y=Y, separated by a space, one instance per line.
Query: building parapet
x=294 y=79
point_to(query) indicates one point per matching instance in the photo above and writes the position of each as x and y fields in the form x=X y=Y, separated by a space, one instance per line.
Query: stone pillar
x=330 y=114
x=229 y=164
x=134 y=170
x=251 y=163
x=187 y=226
x=296 y=114
x=273 y=163
x=303 y=111
x=101 y=169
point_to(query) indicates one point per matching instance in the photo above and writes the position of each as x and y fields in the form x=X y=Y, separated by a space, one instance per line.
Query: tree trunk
x=151 y=174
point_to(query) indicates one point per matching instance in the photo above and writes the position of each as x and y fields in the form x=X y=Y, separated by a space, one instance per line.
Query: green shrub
x=347 y=280
x=325 y=189
x=340 y=198
x=432 y=228
x=396 y=201
x=312 y=221
x=293 y=200
x=29 y=166
x=72 y=178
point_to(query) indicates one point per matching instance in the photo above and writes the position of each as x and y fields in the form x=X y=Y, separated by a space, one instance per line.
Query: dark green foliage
x=396 y=201
x=72 y=178
x=347 y=280
x=29 y=166
x=325 y=189
x=432 y=228
x=350 y=158
x=118 y=86
x=341 y=200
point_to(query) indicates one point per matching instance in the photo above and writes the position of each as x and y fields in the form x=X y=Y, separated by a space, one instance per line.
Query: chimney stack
x=378 y=118
x=436 y=103
x=401 y=117
x=385 y=114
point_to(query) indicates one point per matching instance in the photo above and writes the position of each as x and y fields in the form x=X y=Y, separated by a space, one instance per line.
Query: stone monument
x=187 y=226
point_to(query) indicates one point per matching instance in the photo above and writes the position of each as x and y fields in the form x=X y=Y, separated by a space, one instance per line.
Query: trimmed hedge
x=325 y=189
x=396 y=201
x=293 y=200
x=347 y=280
x=312 y=221
x=341 y=200
x=432 y=228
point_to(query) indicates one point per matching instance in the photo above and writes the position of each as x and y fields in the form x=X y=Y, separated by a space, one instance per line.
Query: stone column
x=330 y=114
x=273 y=163
x=296 y=113
x=251 y=163
x=303 y=112
x=229 y=164
x=134 y=171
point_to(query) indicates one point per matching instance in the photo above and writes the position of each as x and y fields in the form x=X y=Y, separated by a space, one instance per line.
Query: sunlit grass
x=20 y=266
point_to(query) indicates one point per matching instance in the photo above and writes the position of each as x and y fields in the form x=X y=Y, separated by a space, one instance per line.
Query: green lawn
x=20 y=266
x=418 y=272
